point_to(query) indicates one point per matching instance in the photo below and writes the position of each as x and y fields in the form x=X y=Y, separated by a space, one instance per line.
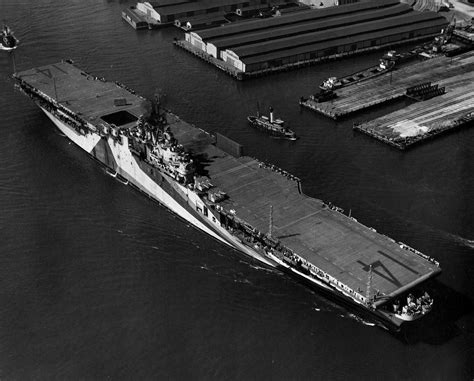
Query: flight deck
x=260 y=196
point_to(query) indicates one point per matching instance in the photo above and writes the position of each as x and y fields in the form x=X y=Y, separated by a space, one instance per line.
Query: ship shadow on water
x=440 y=325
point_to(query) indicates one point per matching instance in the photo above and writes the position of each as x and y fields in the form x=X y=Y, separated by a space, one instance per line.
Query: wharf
x=241 y=75
x=393 y=85
x=424 y=120
x=344 y=249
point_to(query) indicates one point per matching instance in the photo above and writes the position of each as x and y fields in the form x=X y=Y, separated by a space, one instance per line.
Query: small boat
x=122 y=179
x=8 y=40
x=323 y=96
x=275 y=127
x=111 y=173
x=116 y=176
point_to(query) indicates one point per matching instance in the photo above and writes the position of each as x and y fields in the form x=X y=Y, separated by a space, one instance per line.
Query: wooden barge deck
x=321 y=235
x=444 y=71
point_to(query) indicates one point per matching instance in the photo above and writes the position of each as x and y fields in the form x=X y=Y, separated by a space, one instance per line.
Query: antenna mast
x=270 y=223
x=55 y=89
x=369 y=284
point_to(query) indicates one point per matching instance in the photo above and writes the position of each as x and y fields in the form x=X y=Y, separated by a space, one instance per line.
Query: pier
x=454 y=73
x=424 y=120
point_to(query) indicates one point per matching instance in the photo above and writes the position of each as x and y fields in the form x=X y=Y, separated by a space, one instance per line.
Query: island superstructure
x=253 y=207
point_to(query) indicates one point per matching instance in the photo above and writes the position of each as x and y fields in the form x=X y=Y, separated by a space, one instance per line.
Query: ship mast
x=55 y=89
x=369 y=284
x=270 y=222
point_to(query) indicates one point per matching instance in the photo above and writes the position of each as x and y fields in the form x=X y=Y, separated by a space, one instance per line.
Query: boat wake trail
x=266 y=269
x=359 y=320
x=460 y=240
x=338 y=311
x=435 y=233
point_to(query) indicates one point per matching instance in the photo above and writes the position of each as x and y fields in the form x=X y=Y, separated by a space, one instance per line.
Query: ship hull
x=121 y=163
x=384 y=318
x=119 y=160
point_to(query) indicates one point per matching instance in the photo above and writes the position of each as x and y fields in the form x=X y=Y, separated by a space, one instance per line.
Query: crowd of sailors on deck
x=414 y=306
x=120 y=84
x=406 y=247
x=261 y=241
x=306 y=267
x=69 y=118
x=334 y=207
x=276 y=169
x=94 y=77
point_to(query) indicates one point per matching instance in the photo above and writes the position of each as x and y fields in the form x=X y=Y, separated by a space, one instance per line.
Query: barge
x=253 y=207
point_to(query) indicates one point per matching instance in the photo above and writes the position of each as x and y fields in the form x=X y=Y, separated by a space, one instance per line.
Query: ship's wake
x=359 y=320
x=266 y=269
x=461 y=240
x=340 y=312
x=435 y=232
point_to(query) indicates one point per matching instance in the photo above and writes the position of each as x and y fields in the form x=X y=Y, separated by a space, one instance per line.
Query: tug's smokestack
x=271 y=114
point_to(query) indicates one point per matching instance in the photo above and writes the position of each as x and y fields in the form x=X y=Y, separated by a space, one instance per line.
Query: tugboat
x=275 y=127
x=8 y=40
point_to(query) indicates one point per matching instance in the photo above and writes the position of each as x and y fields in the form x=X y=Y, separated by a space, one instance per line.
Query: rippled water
x=97 y=281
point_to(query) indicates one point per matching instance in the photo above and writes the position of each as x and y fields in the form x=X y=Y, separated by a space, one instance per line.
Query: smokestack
x=271 y=114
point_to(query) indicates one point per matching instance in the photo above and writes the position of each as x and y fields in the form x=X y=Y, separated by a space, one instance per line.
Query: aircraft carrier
x=253 y=207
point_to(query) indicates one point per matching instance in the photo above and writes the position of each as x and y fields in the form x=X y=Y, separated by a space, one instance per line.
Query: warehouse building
x=313 y=35
x=170 y=11
x=292 y=19
x=219 y=45
x=327 y=3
